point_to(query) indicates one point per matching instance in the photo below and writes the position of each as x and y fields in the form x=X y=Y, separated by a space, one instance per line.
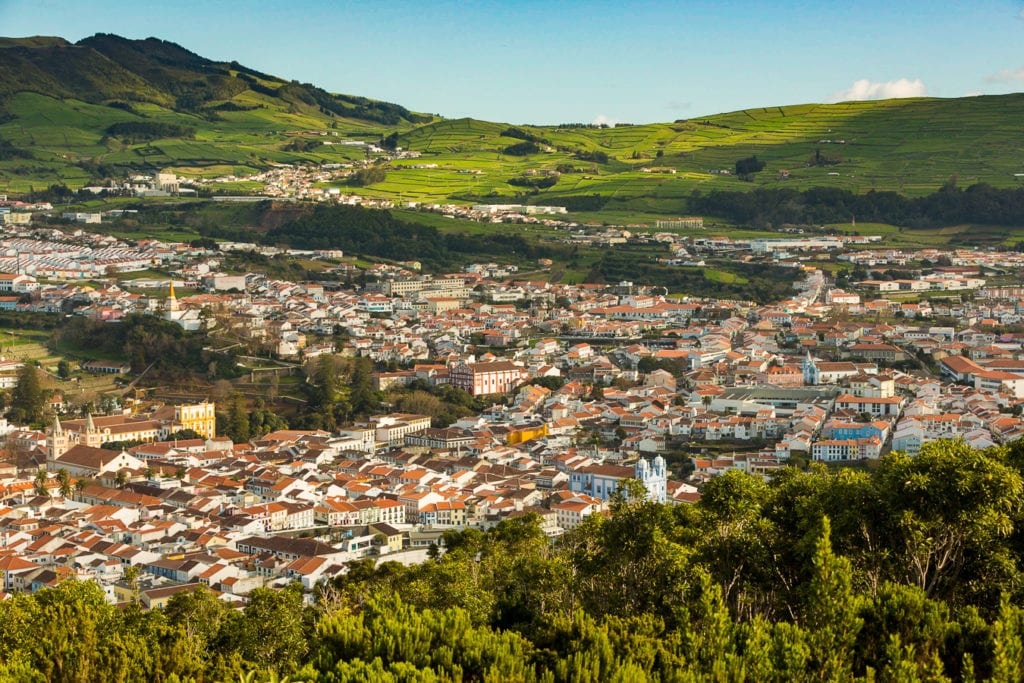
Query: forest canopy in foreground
x=912 y=572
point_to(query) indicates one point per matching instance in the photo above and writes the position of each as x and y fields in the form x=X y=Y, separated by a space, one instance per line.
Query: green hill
x=75 y=113
x=910 y=146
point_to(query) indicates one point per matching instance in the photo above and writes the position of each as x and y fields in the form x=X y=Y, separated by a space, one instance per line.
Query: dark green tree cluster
x=677 y=367
x=27 y=397
x=339 y=390
x=950 y=205
x=240 y=423
x=520 y=134
x=378 y=233
x=350 y=106
x=539 y=182
x=748 y=166
x=764 y=282
x=592 y=155
x=819 y=159
x=302 y=145
x=908 y=573
x=522 y=149
x=371 y=175
x=146 y=341
x=143 y=131
x=9 y=152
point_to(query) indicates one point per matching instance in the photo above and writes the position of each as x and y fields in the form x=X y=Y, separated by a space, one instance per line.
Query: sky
x=567 y=61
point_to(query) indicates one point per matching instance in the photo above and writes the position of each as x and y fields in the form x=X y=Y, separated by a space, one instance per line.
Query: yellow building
x=199 y=417
x=526 y=434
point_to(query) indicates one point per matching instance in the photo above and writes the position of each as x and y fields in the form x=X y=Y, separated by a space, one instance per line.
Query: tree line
x=912 y=572
x=951 y=205
x=379 y=234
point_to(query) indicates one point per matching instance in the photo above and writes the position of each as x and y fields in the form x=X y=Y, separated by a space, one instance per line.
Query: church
x=189 y=319
x=153 y=426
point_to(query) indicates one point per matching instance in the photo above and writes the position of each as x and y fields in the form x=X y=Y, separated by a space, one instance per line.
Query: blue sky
x=571 y=61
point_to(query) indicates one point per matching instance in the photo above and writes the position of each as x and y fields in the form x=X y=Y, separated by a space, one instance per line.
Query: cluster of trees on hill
x=819 y=159
x=8 y=151
x=747 y=167
x=146 y=342
x=142 y=131
x=520 y=134
x=378 y=233
x=575 y=168
x=910 y=573
x=539 y=182
x=385 y=113
x=592 y=155
x=763 y=282
x=302 y=145
x=256 y=86
x=950 y=205
x=339 y=391
x=522 y=149
x=240 y=422
x=583 y=125
x=371 y=175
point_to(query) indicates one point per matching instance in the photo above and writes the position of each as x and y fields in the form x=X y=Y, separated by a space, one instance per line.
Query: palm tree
x=121 y=479
x=41 y=479
x=66 y=487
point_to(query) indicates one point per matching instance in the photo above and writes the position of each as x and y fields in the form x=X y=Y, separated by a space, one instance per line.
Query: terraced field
x=909 y=146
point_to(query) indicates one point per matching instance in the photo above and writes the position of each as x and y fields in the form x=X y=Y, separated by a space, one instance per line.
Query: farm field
x=909 y=146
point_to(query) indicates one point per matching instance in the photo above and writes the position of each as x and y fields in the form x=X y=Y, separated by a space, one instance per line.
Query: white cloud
x=1006 y=75
x=602 y=120
x=864 y=89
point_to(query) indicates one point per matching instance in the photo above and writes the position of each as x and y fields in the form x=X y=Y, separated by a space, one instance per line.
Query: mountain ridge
x=105 y=67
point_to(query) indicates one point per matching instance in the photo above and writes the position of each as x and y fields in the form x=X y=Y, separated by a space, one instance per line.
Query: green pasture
x=910 y=146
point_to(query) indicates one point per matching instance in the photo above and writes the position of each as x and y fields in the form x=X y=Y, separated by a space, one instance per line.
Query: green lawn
x=723 y=276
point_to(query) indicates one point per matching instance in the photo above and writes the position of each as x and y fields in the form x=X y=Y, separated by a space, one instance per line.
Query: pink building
x=494 y=377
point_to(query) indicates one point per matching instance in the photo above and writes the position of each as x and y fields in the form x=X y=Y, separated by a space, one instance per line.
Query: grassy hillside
x=909 y=146
x=59 y=100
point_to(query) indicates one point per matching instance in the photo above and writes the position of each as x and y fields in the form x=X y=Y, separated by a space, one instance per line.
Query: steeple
x=810 y=369
x=56 y=444
x=90 y=426
x=171 y=306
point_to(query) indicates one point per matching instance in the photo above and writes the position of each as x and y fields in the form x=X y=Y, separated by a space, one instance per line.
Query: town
x=579 y=388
